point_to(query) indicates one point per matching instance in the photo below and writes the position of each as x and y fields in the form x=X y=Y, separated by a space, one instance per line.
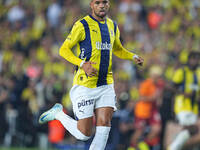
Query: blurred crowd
x=33 y=76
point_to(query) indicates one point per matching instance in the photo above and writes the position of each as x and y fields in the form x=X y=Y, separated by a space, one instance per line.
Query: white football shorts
x=186 y=118
x=86 y=100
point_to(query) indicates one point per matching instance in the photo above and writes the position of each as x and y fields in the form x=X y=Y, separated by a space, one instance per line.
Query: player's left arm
x=121 y=52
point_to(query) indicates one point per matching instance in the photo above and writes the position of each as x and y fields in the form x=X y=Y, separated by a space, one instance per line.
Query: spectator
x=146 y=110
x=53 y=14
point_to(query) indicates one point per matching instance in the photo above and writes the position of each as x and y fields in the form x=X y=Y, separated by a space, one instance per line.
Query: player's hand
x=139 y=60
x=89 y=69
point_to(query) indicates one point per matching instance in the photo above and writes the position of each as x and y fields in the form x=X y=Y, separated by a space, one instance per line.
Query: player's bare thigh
x=104 y=116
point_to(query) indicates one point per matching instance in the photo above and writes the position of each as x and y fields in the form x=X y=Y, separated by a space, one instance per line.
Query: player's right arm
x=76 y=35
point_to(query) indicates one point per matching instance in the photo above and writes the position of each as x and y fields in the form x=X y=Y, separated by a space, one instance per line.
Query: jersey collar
x=97 y=20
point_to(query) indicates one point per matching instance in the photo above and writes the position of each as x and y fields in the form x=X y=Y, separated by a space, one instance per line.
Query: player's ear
x=108 y=4
x=91 y=3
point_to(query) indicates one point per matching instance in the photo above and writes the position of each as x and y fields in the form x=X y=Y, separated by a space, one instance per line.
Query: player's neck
x=98 y=18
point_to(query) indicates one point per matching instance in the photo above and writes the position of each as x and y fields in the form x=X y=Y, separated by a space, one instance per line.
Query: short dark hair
x=194 y=54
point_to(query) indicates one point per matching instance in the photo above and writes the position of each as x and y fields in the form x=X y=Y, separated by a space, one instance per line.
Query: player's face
x=100 y=8
x=194 y=62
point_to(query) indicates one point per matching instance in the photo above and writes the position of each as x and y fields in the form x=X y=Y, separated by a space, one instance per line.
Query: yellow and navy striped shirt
x=188 y=82
x=96 y=41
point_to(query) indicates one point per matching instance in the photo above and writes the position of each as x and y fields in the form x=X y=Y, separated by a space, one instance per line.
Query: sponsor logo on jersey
x=85 y=102
x=94 y=30
x=103 y=46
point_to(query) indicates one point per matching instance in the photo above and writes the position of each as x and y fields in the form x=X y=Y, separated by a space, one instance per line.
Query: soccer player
x=96 y=37
x=186 y=104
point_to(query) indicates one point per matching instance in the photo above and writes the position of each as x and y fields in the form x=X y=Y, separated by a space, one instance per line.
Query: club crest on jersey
x=103 y=46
